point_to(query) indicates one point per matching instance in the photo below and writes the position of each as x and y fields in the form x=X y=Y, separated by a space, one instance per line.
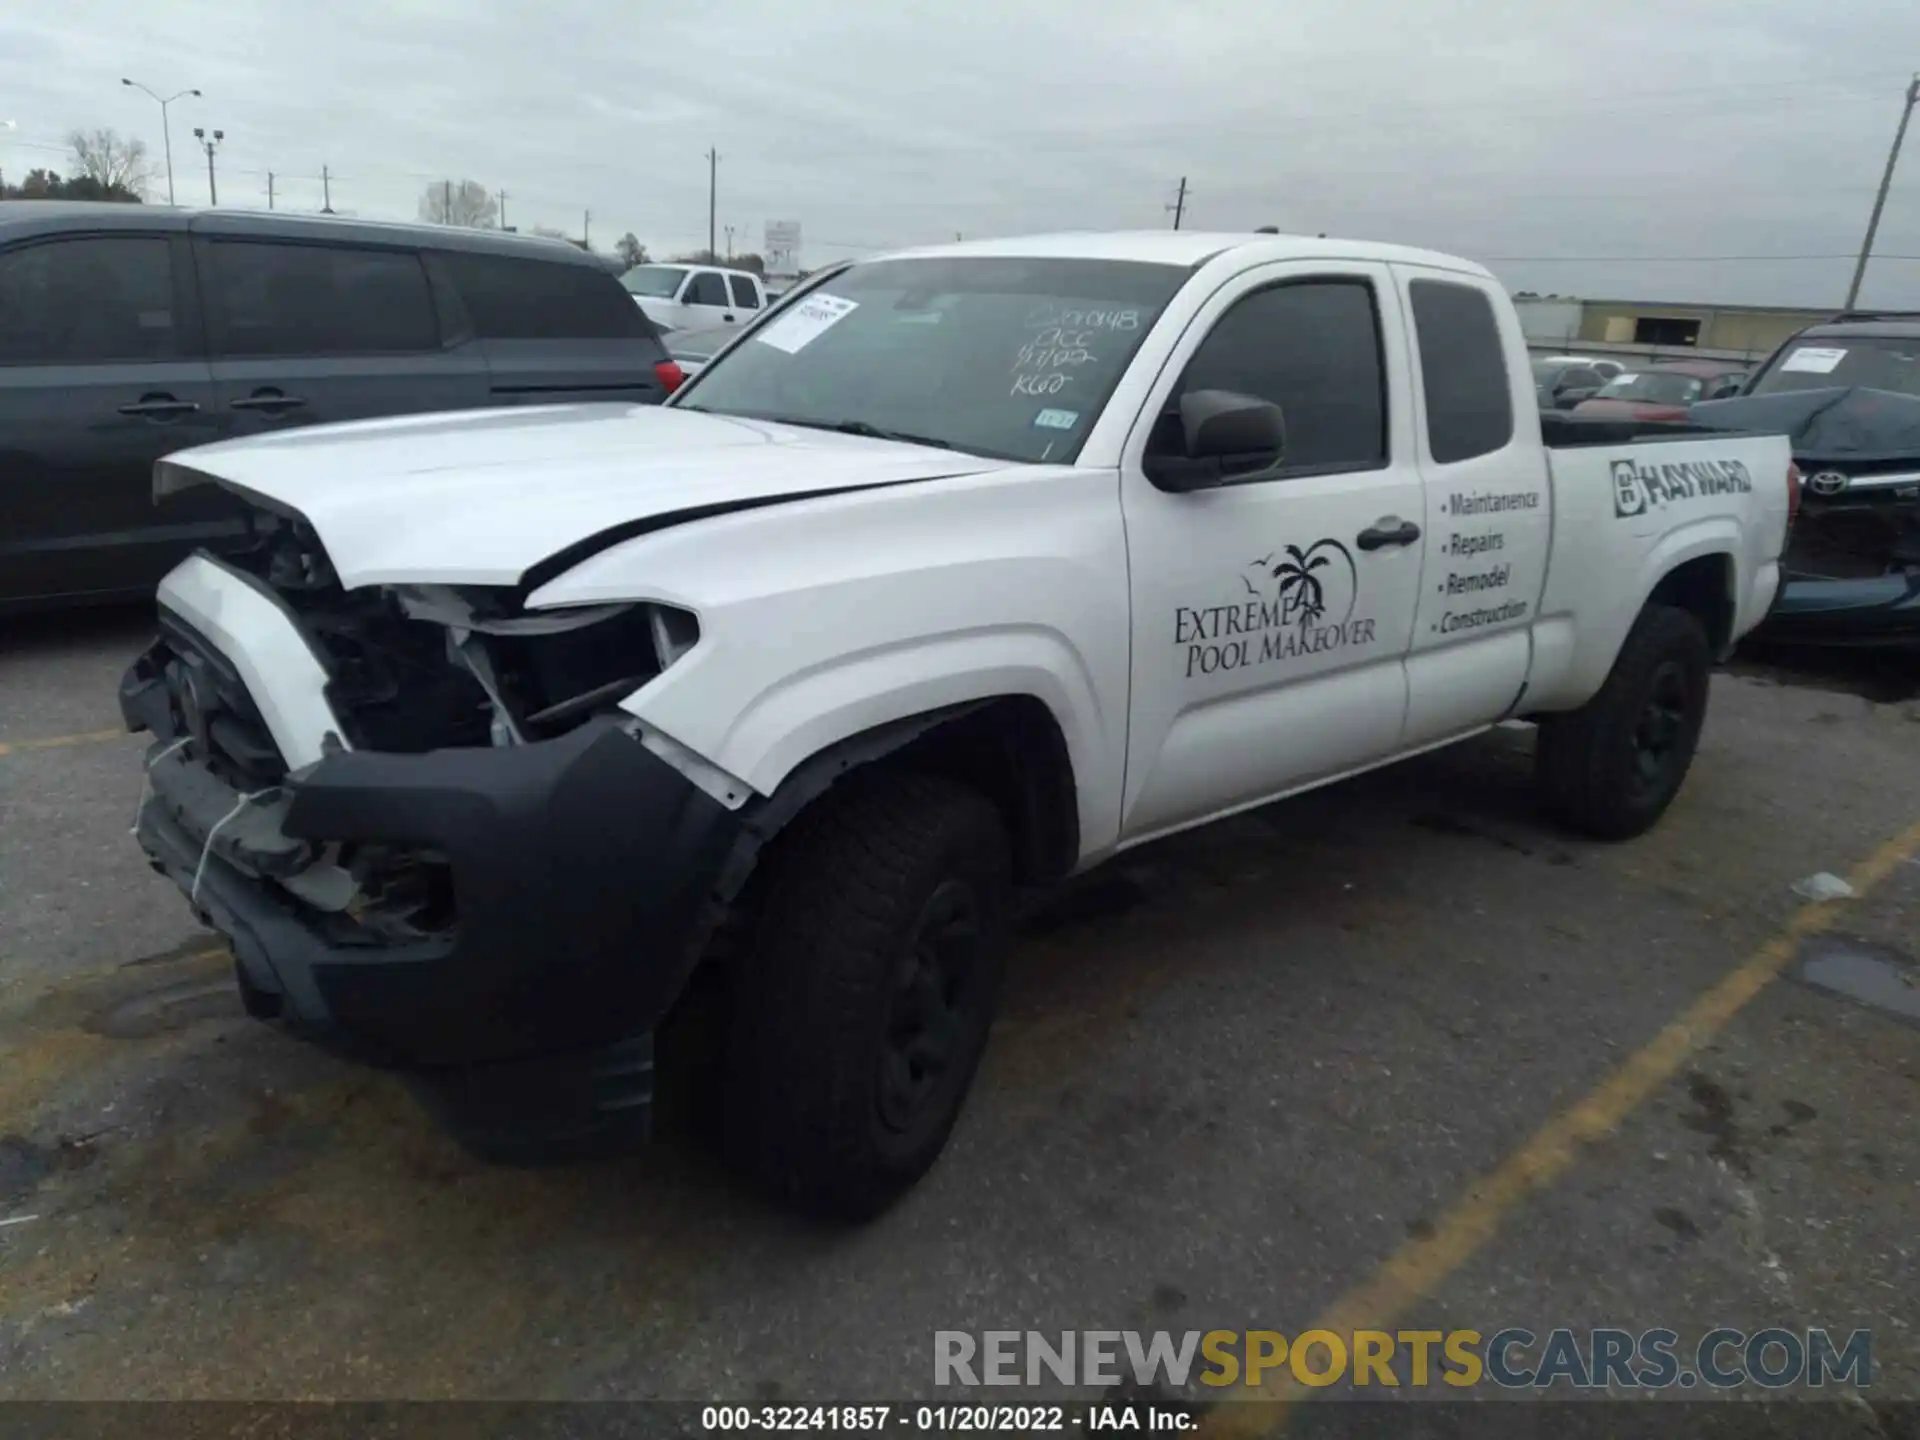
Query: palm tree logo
x=1309 y=580
x=1301 y=592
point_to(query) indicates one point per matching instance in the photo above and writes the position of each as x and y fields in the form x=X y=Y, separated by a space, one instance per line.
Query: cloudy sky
x=1621 y=149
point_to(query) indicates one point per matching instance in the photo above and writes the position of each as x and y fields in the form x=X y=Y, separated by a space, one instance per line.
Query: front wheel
x=862 y=1006
x=1611 y=768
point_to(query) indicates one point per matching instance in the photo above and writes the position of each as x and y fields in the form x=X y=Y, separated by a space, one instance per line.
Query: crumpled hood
x=1839 y=423
x=481 y=497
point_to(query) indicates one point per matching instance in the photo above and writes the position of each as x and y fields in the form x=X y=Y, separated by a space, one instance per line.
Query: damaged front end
x=1852 y=564
x=430 y=833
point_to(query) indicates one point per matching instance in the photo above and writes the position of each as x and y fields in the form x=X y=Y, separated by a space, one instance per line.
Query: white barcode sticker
x=806 y=322
x=1814 y=358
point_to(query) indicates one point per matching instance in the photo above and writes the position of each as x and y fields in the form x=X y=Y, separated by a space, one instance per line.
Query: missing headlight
x=674 y=633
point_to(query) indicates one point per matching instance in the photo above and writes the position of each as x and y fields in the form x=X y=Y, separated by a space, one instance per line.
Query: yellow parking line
x=55 y=742
x=1420 y=1267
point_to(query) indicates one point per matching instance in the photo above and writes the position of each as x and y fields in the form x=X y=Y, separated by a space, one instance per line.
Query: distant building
x=1652 y=329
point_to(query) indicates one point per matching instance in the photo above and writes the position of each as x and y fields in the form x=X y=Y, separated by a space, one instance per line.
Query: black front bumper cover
x=587 y=875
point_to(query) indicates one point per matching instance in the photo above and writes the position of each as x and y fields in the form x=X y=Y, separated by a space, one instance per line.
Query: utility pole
x=270 y=190
x=713 y=190
x=326 y=191
x=1179 y=206
x=586 y=229
x=503 y=211
x=1880 y=200
x=213 y=190
x=446 y=202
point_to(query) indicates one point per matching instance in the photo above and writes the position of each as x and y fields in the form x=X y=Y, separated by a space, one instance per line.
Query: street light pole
x=213 y=192
x=1880 y=200
x=713 y=190
x=166 y=131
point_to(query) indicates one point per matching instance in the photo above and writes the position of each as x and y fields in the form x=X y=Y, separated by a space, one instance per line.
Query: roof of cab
x=22 y=218
x=1191 y=248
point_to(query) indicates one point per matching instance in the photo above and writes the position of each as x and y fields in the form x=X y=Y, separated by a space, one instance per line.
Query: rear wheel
x=1611 y=768
x=863 y=1004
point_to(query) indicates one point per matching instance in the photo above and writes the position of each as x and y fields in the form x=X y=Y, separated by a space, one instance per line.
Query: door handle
x=159 y=407
x=271 y=401
x=1389 y=530
x=727 y=318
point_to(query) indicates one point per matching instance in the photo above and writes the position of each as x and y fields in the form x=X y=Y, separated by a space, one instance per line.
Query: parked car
x=1608 y=368
x=965 y=568
x=692 y=349
x=1846 y=393
x=127 y=332
x=1563 y=383
x=695 y=297
x=1664 y=391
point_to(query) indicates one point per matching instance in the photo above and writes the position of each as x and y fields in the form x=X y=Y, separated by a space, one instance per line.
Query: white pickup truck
x=696 y=297
x=965 y=570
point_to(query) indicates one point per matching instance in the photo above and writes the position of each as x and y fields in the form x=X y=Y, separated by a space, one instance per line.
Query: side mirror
x=1225 y=436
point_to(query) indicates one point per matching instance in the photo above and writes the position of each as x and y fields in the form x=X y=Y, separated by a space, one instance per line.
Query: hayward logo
x=1298 y=602
x=1639 y=487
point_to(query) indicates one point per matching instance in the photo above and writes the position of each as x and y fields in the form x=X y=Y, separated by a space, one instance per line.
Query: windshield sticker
x=1294 y=603
x=806 y=322
x=1814 y=359
x=1639 y=487
x=1626 y=377
x=1057 y=419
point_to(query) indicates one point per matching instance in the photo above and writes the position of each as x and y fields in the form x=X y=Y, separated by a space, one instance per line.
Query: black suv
x=130 y=331
x=1846 y=392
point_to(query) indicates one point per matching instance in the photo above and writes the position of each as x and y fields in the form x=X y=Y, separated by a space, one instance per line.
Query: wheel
x=1611 y=768
x=862 y=1004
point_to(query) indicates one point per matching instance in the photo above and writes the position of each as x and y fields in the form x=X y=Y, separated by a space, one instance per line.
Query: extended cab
x=965 y=570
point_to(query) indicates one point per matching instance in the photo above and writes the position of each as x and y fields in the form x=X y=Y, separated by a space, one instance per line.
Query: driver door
x=1271 y=616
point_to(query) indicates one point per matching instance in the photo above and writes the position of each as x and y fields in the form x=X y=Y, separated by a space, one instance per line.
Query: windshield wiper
x=863 y=429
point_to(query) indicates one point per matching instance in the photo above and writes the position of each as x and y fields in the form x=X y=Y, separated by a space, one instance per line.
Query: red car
x=1664 y=391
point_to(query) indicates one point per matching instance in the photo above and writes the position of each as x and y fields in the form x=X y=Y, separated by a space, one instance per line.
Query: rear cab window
x=93 y=299
x=1005 y=356
x=743 y=295
x=1463 y=370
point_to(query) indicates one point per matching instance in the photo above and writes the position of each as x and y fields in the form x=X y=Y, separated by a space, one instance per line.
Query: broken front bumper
x=583 y=871
x=1868 y=612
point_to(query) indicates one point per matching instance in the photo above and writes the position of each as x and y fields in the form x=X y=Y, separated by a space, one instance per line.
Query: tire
x=862 y=1005
x=1611 y=768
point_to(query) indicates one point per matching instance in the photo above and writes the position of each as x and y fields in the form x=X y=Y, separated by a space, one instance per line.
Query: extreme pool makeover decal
x=1639 y=487
x=1298 y=602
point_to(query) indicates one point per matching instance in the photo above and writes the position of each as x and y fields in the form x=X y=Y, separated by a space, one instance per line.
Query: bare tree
x=117 y=164
x=629 y=251
x=459 y=202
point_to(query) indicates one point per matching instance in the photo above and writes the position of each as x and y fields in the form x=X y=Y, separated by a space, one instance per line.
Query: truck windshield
x=1001 y=356
x=1878 y=362
x=656 y=282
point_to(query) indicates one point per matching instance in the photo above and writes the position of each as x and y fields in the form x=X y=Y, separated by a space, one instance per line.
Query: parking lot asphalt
x=1255 y=1076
